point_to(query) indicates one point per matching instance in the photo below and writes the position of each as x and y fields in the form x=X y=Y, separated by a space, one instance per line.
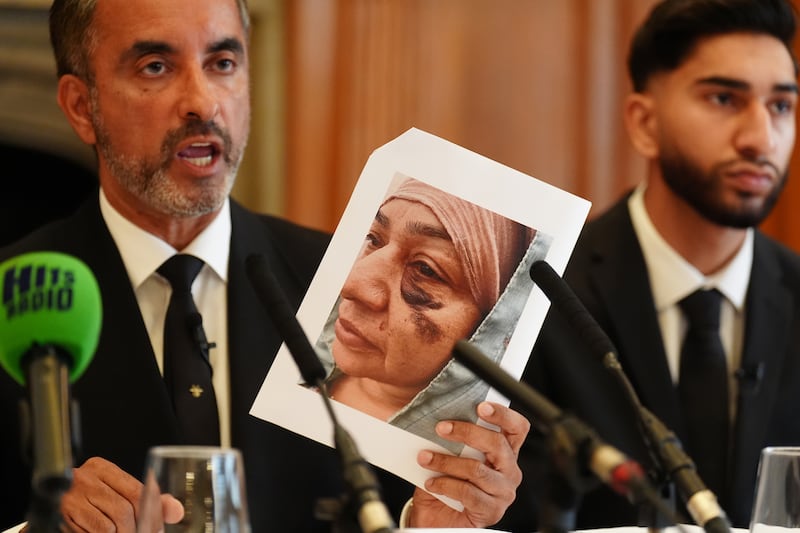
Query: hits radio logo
x=34 y=288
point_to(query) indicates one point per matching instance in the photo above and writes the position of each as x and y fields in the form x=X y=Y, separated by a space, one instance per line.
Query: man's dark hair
x=674 y=27
x=73 y=37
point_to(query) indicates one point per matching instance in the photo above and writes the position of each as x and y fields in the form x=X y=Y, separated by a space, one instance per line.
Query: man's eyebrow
x=785 y=88
x=143 y=48
x=229 y=44
x=740 y=85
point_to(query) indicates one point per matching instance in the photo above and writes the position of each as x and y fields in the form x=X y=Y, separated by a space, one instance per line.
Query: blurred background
x=534 y=84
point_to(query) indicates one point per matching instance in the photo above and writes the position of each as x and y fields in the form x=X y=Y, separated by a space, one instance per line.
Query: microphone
x=700 y=502
x=274 y=301
x=48 y=335
x=199 y=337
x=750 y=377
x=575 y=440
x=363 y=486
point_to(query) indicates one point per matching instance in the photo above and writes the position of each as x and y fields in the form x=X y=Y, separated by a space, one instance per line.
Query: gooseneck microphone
x=363 y=487
x=576 y=442
x=700 y=501
x=49 y=329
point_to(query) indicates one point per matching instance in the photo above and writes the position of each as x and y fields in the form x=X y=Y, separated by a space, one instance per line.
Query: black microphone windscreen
x=276 y=305
x=536 y=406
x=565 y=301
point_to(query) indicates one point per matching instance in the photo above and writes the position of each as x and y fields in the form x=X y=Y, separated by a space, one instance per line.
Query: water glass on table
x=208 y=481
x=777 y=503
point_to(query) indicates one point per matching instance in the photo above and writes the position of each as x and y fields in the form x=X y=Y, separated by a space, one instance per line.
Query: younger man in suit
x=713 y=112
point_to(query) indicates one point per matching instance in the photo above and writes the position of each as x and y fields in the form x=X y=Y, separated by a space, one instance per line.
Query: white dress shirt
x=672 y=278
x=143 y=253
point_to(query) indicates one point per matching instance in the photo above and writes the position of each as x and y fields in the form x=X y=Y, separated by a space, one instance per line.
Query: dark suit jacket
x=607 y=271
x=123 y=401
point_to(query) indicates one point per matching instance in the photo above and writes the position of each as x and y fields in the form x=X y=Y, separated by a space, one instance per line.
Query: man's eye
x=782 y=107
x=226 y=65
x=722 y=98
x=154 y=68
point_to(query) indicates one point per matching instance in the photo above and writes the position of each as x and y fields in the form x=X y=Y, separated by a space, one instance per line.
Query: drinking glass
x=207 y=480
x=777 y=505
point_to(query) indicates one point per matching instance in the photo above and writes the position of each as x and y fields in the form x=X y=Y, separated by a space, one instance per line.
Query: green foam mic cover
x=48 y=298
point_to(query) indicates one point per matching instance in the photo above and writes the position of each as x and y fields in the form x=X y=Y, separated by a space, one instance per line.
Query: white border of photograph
x=460 y=172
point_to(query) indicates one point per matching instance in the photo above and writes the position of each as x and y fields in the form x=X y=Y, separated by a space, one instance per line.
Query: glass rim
x=782 y=450
x=195 y=451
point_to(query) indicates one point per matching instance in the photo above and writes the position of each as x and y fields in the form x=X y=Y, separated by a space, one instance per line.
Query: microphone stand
x=579 y=457
x=360 y=509
x=662 y=444
x=674 y=462
x=361 y=504
x=48 y=437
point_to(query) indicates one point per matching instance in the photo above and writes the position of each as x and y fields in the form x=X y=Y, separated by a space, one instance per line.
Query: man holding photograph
x=161 y=90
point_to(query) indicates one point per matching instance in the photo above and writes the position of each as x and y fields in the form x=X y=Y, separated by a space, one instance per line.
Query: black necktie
x=187 y=370
x=703 y=388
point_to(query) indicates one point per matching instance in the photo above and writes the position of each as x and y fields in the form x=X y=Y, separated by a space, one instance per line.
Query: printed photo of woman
x=433 y=269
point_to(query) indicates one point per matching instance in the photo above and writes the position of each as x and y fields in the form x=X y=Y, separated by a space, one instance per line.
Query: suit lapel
x=124 y=355
x=767 y=329
x=253 y=340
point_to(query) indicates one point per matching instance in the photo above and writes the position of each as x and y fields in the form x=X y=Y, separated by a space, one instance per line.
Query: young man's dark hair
x=674 y=27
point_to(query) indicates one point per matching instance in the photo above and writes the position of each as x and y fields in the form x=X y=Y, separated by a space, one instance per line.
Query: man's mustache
x=760 y=161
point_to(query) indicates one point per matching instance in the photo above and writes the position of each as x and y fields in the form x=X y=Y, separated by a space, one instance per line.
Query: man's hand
x=103 y=497
x=485 y=488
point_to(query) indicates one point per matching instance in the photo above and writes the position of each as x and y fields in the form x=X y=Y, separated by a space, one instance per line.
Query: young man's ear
x=73 y=98
x=642 y=124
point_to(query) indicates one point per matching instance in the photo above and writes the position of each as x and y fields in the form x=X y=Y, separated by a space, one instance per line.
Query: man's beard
x=148 y=179
x=704 y=191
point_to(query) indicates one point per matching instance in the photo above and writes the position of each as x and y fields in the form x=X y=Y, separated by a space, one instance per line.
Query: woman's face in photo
x=405 y=302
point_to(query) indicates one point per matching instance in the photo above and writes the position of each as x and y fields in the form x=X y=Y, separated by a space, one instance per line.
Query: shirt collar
x=672 y=278
x=142 y=252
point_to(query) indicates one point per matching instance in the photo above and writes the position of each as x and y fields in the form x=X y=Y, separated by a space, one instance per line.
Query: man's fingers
x=80 y=518
x=493 y=444
x=486 y=487
x=102 y=497
x=464 y=493
x=511 y=423
x=461 y=475
x=172 y=509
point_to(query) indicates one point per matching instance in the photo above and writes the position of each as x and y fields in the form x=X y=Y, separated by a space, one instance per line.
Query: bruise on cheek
x=417 y=297
x=426 y=329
